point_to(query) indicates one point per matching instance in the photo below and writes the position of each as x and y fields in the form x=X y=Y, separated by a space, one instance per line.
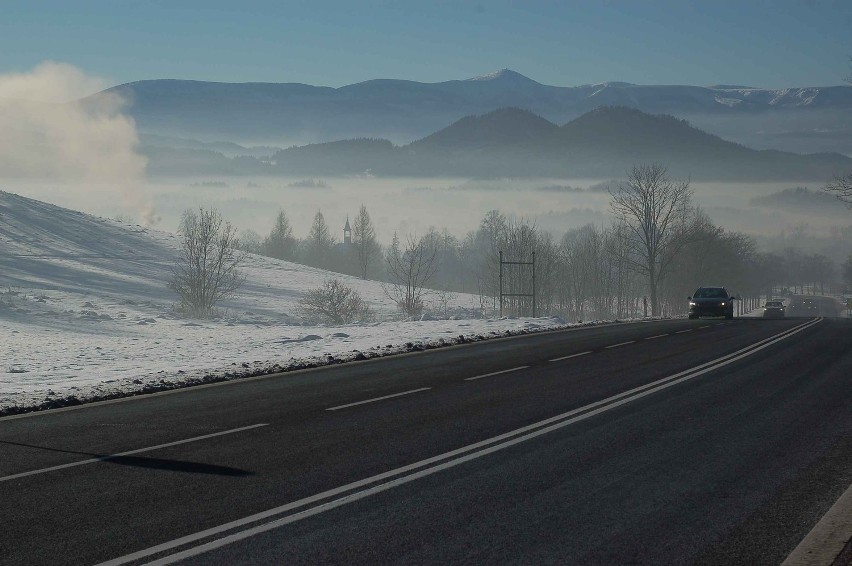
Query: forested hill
x=602 y=143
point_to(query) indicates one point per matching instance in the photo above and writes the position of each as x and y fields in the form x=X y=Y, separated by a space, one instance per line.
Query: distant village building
x=347 y=233
x=344 y=260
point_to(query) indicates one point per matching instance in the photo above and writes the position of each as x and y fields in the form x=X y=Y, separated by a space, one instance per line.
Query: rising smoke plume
x=47 y=132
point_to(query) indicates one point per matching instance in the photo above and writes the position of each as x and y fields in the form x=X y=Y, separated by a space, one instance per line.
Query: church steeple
x=347 y=232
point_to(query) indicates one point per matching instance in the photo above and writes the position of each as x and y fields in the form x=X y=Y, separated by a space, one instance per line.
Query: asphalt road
x=705 y=441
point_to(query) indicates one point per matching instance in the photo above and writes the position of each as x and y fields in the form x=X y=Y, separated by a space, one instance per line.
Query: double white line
x=204 y=541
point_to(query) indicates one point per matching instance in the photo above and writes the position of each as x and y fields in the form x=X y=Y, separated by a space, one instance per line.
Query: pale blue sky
x=759 y=43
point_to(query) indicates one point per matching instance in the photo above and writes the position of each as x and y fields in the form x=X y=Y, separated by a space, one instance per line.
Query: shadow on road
x=151 y=463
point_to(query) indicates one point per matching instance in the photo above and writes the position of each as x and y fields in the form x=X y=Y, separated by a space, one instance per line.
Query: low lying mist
x=407 y=205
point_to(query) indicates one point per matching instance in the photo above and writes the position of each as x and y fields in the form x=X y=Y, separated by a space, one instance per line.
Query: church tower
x=347 y=233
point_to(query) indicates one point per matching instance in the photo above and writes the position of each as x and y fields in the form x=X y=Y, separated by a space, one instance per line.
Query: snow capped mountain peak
x=730 y=87
x=504 y=75
x=613 y=84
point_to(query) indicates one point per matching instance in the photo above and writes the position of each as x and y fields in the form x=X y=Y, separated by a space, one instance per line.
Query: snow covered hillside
x=85 y=313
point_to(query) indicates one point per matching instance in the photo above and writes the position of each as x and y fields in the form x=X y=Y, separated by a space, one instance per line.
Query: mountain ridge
x=270 y=113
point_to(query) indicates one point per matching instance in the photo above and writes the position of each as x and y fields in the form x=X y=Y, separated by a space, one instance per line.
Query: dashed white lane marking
x=619 y=344
x=657 y=336
x=377 y=399
x=702 y=327
x=571 y=356
x=128 y=453
x=682 y=331
x=495 y=373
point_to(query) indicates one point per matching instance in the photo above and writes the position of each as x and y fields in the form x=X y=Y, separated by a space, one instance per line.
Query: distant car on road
x=773 y=309
x=804 y=306
x=711 y=301
x=814 y=306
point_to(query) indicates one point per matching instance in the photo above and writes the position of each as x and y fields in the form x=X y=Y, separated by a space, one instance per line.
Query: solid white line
x=440 y=462
x=824 y=543
x=682 y=331
x=571 y=356
x=621 y=344
x=495 y=373
x=657 y=336
x=128 y=453
x=378 y=399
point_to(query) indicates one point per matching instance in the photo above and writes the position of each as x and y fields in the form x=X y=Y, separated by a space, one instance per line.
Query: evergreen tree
x=280 y=243
x=319 y=243
x=364 y=241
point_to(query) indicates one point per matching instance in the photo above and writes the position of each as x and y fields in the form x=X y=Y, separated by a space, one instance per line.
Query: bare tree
x=576 y=278
x=207 y=269
x=487 y=243
x=249 y=241
x=841 y=187
x=443 y=298
x=546 y=268
x=618 y=256
x=655 y=211
x=334 y=303
x=820 y=270
x=847 y=271
x=364 y=239
x=410 y=270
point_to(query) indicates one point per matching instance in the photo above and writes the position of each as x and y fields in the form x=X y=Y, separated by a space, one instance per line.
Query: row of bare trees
x=656 y=252
x=659 y=247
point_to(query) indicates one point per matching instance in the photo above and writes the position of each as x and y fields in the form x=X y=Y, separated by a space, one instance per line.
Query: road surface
x=706 y=441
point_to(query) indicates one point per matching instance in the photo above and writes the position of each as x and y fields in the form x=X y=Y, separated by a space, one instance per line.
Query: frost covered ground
x=85 y=314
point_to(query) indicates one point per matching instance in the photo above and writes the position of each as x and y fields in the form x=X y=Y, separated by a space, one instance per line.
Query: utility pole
x=533 y=281
x=501 y=283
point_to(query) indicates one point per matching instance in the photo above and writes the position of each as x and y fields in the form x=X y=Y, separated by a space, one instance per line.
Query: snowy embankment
x=85 y=314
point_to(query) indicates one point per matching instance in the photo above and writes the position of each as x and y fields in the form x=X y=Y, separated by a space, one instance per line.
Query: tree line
x=657 y=250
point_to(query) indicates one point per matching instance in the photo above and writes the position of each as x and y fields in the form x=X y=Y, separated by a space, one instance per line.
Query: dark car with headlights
x=711 y=301
x=773 y=309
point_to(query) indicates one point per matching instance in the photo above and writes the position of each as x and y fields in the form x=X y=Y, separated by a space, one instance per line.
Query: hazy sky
x=752 y=42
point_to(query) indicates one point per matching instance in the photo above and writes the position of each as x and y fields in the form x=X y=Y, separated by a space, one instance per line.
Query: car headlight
x=691 y=303
x=723 y=304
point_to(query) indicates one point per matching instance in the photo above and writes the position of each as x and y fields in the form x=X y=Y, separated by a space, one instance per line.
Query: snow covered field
x=85 y=314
